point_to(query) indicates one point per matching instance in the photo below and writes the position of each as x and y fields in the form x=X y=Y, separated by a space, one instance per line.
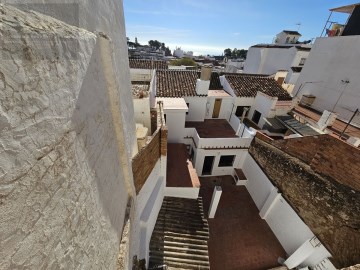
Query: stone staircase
x=180 y=236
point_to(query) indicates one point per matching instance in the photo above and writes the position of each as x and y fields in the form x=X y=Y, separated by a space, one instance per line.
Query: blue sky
x=210 y=26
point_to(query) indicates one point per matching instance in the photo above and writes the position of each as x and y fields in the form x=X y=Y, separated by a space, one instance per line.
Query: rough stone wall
x=106 y=16
x=329 y=208
x=327 y=156
x=62 y=187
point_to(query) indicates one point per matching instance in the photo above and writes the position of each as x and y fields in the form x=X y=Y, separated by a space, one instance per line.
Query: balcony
x=219 y=134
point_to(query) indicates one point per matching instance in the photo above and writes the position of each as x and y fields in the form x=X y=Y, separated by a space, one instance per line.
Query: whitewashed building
x=330 y=73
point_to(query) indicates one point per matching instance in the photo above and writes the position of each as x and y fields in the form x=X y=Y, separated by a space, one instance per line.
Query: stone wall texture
x=62 y=186
x=303 y=170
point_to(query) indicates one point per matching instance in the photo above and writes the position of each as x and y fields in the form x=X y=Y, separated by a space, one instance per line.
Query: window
x=187 y=104
x=240 y=110
x=256 y=117
x=226 y=161
x=165 y=118
x=302 y=61
x=287 y=40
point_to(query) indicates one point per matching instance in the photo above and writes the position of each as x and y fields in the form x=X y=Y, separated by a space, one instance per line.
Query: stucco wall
x=265 y=105
x=142 y=111
x=225 y=109
x=175 y=121
x=197 y=108
x=64 y=164
x=330 y=61
x=201 y=153
x=269 y=60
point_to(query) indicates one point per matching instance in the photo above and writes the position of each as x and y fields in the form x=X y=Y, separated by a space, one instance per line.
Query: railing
x=221 y=143
x=224 y=142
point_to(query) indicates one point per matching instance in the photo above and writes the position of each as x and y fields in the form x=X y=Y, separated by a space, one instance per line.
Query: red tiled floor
x=213 y=128
x=180 y=171
x=239 y=238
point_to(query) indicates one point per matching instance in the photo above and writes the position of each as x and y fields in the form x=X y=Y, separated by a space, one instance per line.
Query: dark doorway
x=208 y=165
x=256 y=117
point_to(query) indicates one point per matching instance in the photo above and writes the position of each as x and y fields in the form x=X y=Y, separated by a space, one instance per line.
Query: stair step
x=193 y=232
x=178 y=266
x=185 y=222
x=178 y=234
x=178 y=257
x=173 y=224
x=184 y=250
x=182 y=214
x=180 y=240
x=182 y=211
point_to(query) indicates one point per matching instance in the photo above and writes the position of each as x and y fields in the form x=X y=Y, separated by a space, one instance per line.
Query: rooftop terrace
x=212 y=128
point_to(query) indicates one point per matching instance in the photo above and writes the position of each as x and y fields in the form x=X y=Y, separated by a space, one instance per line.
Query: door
x=208 y=165
x=217 y=106
x=256 y=117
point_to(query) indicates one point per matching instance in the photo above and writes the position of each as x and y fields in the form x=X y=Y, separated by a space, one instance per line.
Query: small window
x=187 y=104
x=302 y=61
x=287 y=40
x=226 y=161
x=256 y=117
x=165 y=118
x=240 y=110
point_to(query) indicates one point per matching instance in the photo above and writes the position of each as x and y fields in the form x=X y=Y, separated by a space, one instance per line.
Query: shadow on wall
x=93 y=123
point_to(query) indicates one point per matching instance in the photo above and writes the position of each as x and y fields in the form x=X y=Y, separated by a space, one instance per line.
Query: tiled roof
x=147 y=64
x=181 y=83
x=248 y=85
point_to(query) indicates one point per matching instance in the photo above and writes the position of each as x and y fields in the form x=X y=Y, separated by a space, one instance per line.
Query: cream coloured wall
x=66 y=143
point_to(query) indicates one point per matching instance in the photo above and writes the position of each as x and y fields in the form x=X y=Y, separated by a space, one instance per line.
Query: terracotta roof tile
x=248 y=85
x=181 y=83
x=147 y=64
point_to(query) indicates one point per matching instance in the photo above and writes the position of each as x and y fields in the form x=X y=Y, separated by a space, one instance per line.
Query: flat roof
x=345 y=9
x=296 y=126
x=218 y=93
x=173 y=103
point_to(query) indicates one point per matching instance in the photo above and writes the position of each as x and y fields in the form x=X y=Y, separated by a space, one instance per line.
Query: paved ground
x=239 y=238
x=213 y=128
x=180 y=171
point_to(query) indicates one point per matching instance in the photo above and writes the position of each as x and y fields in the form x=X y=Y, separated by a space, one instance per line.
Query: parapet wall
x=329 y=208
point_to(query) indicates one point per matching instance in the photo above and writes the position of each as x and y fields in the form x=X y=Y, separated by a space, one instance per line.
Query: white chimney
x=202 y=84
x=326 y=119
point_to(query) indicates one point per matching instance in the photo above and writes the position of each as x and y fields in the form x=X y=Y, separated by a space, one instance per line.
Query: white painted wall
x=175 y=121
x=330 y=61
x=197 y=108
x=287 y=226
x=141 y=75
x=270 y=60
x=225 y=109
x=281 y=38
x=142 y=111
x=289 y=229
x=253 y=60
x=258 y=184
x=182 y=192
x=149 y=201
x=67 y=134
x=201 y=153
x=265 y=105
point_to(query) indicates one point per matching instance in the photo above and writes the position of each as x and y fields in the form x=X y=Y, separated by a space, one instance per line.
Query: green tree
x=183 y=62
x=227 y=52
x=167 y=52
